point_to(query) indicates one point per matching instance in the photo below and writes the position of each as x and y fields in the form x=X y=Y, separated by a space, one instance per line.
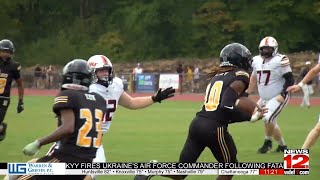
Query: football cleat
x=281 y=148
x=267 y=146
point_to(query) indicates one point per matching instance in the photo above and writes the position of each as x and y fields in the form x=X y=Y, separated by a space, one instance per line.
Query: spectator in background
x=137 y=70
x=190 y=78
x=180 y=72
x=37 y=76
x=50 y=72
x=44 y=77
x=196 y=78
x=306 y=88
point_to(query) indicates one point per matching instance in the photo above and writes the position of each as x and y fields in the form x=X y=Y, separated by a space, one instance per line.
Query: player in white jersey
x=272 y=74
x=315 y=132
x=111 y=88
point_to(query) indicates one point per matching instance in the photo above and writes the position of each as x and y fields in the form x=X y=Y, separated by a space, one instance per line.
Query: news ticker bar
x=164 y=165
x=158 y=169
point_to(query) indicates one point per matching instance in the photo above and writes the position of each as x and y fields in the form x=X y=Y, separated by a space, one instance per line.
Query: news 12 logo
x=296 y=159
x=17 y=168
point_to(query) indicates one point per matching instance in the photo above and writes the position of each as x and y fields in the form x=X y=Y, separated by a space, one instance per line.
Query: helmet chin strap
x=103 y=82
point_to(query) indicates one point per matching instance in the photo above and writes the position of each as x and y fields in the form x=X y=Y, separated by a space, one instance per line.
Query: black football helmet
x=236 y=54
x=7 y=45
x=76 y=75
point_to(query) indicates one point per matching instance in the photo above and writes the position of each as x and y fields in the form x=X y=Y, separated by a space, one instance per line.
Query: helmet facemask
x=76 y=81
x=267 y=51
x=5 y=54
x=103 y=76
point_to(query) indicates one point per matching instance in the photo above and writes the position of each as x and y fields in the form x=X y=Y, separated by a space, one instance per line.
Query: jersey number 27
x=212 y=98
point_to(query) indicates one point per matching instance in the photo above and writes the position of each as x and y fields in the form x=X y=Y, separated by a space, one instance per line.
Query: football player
x=273 y=75
x=210 y=126
x=315 y=132
x=111 y=88
x=307 y=89
x=9 y=71
x=80 y=115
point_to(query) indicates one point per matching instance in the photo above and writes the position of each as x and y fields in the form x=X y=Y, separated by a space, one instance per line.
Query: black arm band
x=238 y=116
x=245 y=94
x=229 y=97
x=289 y=82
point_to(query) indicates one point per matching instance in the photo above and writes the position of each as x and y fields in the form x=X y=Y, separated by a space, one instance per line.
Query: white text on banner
x=238 y=171
x=169 y=80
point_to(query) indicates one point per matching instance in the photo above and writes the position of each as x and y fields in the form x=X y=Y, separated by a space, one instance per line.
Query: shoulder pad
x=118 y=82
x=284 y=61
x=242 y=73
x=63 y=96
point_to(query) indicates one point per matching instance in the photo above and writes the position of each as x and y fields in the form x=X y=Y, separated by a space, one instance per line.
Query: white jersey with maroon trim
x=111 y=95
x=269 y=74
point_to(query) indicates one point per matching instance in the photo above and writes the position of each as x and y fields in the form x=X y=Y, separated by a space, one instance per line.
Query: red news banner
x=296 y=161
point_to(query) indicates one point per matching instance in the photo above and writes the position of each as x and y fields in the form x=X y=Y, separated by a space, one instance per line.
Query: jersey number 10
x=212 y=98
x=3 y=82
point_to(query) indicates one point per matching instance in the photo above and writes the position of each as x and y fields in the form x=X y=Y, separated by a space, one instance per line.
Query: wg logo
x=17 y=168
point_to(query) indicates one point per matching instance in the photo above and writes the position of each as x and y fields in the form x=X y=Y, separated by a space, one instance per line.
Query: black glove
x=161 y=95
x=20 y=106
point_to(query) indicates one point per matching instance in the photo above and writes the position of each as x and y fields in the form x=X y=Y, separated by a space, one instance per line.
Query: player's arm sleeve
x=286 y=74
x=289 y=82
x=235 y=90
x=64 y=100
x=16 y=72
x=238 y=116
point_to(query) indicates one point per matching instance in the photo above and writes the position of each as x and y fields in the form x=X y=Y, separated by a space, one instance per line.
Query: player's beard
x=266 y=53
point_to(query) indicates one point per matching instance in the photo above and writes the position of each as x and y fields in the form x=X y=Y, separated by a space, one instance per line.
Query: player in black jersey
x=79 y=115
x=210 y=126
x=9 y=71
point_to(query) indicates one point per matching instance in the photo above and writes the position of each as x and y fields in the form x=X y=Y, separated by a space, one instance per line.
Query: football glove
x=32 y=148
x=161 y=95
x=20 y=106
x=258 y=114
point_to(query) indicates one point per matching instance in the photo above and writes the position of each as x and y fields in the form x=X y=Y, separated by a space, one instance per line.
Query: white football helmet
x=269 y=42
x=101 y=62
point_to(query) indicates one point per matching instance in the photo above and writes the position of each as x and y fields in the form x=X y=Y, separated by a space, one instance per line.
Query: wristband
x=300 y=84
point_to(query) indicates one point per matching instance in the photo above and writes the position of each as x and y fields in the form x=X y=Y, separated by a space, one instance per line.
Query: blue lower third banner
x=145 y=83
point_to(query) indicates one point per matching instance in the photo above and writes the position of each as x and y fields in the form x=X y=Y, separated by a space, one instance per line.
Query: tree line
x=55 y=31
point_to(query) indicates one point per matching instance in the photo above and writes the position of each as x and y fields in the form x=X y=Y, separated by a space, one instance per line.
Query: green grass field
x=159 y=132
